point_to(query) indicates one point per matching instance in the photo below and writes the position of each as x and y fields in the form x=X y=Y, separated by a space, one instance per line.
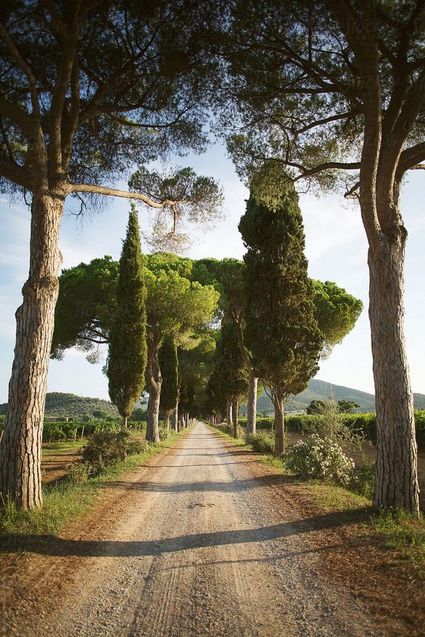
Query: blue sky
x=335 y=246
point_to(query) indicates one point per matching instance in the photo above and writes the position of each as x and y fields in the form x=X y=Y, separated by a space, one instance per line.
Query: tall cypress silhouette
x=127 y=348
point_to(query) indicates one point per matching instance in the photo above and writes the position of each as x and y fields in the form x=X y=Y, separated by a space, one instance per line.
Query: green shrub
x=319 y=458
x=363 y=480
x=78 y=472
x=106 y=448
x=263 y=442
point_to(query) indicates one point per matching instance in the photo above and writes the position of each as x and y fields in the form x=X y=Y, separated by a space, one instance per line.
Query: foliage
x=86 y=305
x=195 y=367
x=281 y=331
x=57 y=431
x=336 y=311
x=198 y=199
x=363 y=480
x=262 y=442
x=315 y=407
x=230 y=363
x=107 y=448
x=319 y=458
x=127 y=341
x=78 y=472
x=347 y=406
x=168 y=364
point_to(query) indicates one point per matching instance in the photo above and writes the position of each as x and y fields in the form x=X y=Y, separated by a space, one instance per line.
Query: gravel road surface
x=195 y=543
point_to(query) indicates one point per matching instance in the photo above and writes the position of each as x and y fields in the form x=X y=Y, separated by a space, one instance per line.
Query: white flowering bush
x=319 y=458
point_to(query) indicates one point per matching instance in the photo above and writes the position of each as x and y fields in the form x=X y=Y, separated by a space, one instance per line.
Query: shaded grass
x=401 y=532
x=59 y=448
x=65 y=500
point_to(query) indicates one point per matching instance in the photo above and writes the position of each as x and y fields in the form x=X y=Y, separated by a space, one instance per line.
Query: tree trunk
x=235 y=418
x=176 y=417
x=279 y=421
x=396 y=460
x=251 y=420
x=20 y=448
x=154 y=381
x=167 y=414
x=124 y=425
x=229 y=412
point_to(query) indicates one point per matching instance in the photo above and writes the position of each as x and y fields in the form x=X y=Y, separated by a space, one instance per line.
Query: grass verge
x=403 y=534
x=65 y=500
x=59 y=448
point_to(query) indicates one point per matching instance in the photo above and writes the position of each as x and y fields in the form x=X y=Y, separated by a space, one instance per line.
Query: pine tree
x=168 y=364
x=127 y=348
x=281 y=329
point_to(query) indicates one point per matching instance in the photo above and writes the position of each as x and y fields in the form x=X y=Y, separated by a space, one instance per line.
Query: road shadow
x=55 y=546
x=232 y=484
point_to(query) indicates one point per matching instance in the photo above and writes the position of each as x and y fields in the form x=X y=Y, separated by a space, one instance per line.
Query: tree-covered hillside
x=319 y=389
x=71 y=406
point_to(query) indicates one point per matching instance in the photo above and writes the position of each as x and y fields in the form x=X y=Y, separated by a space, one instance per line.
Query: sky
x=335 y=247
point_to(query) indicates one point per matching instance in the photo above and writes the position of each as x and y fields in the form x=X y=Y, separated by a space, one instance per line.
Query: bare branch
x=126 y=194
x=330 y=165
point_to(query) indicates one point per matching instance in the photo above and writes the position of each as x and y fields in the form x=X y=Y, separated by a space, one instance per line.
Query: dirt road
x=199 y=542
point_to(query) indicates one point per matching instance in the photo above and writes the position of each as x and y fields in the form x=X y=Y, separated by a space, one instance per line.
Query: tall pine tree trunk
x=251 y=420
x=176 y=417
x=235 y=418
x=279 y=421
x=228 y=412
x=20 y=447
x=396 y=462
x=154 y=381
x=167 y=414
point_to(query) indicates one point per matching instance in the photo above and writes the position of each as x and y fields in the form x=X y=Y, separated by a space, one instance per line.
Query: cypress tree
x=127 y=347
x=232 y=370
x=281 y=332
x=168 y=364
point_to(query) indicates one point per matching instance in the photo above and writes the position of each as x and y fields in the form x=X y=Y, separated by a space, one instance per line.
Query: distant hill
x=71 y=406
x=319 y=389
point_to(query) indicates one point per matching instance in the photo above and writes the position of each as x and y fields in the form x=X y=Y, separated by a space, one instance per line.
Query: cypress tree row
x=168 y=363
x=127 y=348
x=281 y=331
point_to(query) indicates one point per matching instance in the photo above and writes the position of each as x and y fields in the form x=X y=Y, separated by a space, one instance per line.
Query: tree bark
x=279 y=421
x=124 y=425
x=396 y=461
x=167 y=414
x=20 y=448
x=251 y=420
x=176 y=417
x=235 y=418
x=229 y=412
x=154 y=381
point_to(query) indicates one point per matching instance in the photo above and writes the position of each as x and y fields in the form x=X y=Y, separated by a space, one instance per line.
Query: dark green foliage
x=127 y=347
x=263 y=442
x=281 y=329
x=347 y=406
x=231 y=364
x=106 y=448
x=316 y=407
x=86 y=305
x=336 y=311
x=72 y=406
x=168 y=364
